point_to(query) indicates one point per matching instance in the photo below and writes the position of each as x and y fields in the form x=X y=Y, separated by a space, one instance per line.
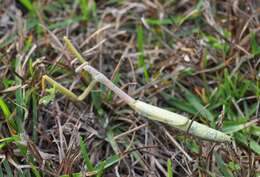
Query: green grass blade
x=10 y=139
x=19 y=98
x=27 y=4
x=255 y=48
x=179 y=104
x=196 y=103
x=1 y=172
x=253 y=145
x=8 y=169
x=5 y=109
x=111 y=161
x=111 y=140
x=34 y=116
x=7 y=115
x=84 y=6
x=236 y=125
x=35 y=171
x=140 y=47
x=5 y=141
x=65 y=23
x=169 y=168
x=223 y=166
x=21 y=174
x=101 y=169
x=159 y=22
x=85 y=154
x=27 y=173
x=77 y=175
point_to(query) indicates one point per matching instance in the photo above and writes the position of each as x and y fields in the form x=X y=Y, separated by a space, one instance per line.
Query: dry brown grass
x=174 y=55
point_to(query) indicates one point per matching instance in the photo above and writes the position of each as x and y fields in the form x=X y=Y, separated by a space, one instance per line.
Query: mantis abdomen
x=180 y=122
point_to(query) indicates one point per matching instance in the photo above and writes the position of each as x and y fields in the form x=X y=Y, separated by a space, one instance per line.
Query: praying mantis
x=147 y=110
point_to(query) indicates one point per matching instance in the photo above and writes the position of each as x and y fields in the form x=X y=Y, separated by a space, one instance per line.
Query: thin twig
x=178 y=145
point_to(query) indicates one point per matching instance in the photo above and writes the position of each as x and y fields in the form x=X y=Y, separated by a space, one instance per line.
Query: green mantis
x=152 y=112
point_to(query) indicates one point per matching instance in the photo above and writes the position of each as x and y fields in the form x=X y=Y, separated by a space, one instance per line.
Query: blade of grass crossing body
x=140 y=47
x=115 y=81
x=85 y=154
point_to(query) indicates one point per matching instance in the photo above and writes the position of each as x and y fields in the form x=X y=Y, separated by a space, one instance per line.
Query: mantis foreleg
x=66 y=91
